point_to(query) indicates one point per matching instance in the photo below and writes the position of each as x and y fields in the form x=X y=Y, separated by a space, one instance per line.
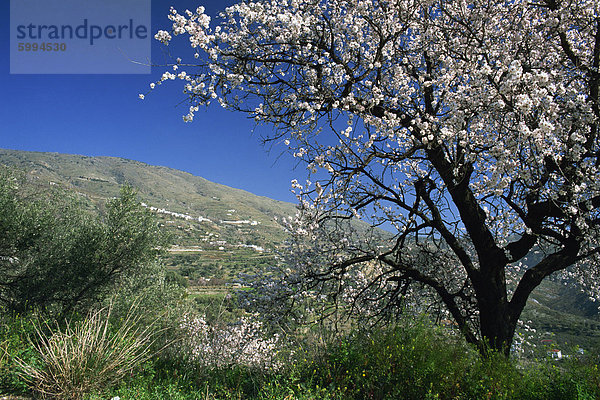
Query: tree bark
x=497 y=325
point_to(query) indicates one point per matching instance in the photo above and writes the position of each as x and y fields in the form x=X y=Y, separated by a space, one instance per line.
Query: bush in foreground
x=87 y=357
x=424 y=362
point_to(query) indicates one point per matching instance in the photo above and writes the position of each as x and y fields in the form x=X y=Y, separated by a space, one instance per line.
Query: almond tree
x=468 y=127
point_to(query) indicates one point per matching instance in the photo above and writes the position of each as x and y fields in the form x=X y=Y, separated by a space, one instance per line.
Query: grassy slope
x=565 y=315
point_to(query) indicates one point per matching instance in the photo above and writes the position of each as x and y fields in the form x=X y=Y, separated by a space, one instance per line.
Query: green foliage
x=159 y=304
x=15 y=346
x=57 y=258
x=405 y=362
x=421 y=362
x=177 y=279
x=219 y=307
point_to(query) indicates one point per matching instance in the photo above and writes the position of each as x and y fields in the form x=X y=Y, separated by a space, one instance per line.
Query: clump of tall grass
x=88 y=355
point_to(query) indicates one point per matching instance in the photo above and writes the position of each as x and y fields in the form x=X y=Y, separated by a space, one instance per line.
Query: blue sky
x=101 y=115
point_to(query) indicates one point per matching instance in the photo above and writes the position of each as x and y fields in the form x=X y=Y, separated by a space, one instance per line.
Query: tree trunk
x=496 y=318
x=497 y=326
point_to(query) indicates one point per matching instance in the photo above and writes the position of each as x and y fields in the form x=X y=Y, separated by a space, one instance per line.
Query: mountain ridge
x=234 y=215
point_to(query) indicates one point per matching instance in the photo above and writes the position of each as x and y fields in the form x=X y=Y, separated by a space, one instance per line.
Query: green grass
x=15 y=345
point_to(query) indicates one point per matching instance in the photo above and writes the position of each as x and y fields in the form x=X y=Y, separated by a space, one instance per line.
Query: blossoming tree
x=468 y=127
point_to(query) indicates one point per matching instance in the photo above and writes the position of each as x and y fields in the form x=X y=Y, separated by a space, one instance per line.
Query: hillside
x=233 y=229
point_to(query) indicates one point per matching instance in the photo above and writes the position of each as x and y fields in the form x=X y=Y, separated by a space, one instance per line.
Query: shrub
x=408 y=362
x=402 y=362
x=56 y=257
x=423 y=362
x=219 y=345
x=87 y=356
x=15 y=346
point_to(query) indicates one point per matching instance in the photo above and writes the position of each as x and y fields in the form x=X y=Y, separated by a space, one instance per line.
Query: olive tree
x=468 y=127
x=57 y=257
